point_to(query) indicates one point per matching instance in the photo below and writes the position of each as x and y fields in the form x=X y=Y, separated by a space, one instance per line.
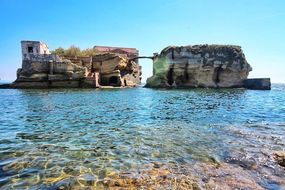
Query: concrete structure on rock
x=42 y=69
x=33 y=48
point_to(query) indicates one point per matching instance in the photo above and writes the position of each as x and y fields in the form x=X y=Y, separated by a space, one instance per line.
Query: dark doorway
x=113 y=80
x=216 y=75
x=170 y=76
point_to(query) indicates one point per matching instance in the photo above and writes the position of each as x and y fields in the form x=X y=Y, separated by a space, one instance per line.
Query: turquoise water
x=74 y=138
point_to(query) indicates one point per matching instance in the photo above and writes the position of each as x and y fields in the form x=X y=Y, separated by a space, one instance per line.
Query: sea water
x=78 y=138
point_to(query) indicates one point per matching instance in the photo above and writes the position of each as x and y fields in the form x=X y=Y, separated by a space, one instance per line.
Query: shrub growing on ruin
x=74 y=51
x=58 y=51
x=89 y=52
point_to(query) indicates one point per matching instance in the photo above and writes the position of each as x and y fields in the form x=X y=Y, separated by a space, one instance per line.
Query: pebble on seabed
x=279 y=156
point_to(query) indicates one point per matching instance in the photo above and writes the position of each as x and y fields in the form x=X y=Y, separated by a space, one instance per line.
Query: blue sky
x=149 y=25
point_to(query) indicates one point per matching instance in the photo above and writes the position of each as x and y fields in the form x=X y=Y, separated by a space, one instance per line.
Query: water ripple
x=76 y=138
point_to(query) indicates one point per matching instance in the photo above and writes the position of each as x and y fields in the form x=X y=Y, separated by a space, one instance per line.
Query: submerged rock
x=280 y=157
x=200 y=66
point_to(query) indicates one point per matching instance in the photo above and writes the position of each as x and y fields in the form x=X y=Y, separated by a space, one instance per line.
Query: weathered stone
x=116 y=70
x=91 y=81
x=257 y=83
x=65 y=84
x=30 y=84
x=58 y=77
x=33 y=77
x=128 y=52
x=280 y=157
x=38 y=65
x=199 y=66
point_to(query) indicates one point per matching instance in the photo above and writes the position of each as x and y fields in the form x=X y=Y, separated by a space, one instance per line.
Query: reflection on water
x=130 y=138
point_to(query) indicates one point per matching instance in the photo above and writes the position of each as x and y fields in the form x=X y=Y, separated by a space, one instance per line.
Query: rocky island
x=210 y=66
x=109 y=67
x=206 y=66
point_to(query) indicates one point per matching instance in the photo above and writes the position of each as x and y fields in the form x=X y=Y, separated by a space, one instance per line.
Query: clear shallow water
x=77 y=138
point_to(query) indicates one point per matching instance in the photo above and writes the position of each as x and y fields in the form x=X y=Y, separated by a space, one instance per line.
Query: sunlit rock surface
x=200 y=66
x=41 y=69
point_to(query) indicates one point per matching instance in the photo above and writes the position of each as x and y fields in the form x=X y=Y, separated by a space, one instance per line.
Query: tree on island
x=74 y=51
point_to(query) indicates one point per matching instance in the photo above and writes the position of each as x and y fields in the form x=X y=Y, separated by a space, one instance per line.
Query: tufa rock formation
x=210 y=66
x=41 y=69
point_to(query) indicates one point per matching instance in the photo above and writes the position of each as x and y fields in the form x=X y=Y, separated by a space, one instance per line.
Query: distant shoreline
x=6 y=81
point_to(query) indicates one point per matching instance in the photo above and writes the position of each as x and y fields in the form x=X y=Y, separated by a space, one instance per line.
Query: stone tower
x=30 y=48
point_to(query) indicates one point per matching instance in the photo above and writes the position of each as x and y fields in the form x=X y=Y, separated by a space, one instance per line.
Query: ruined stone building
x=33 y=48
x=42 y=69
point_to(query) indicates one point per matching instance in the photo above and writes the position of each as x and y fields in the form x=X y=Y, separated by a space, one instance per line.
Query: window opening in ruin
x=113 y=80
x=30 y=49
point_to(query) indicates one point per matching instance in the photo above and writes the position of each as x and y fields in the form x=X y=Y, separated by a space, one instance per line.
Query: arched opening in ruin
x=146 y=64
x=113 y=80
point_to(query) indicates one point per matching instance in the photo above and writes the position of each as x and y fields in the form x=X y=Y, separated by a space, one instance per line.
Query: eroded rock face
x=41 y=69
x=116 y=70
x=49 y=69
x=200 y=66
